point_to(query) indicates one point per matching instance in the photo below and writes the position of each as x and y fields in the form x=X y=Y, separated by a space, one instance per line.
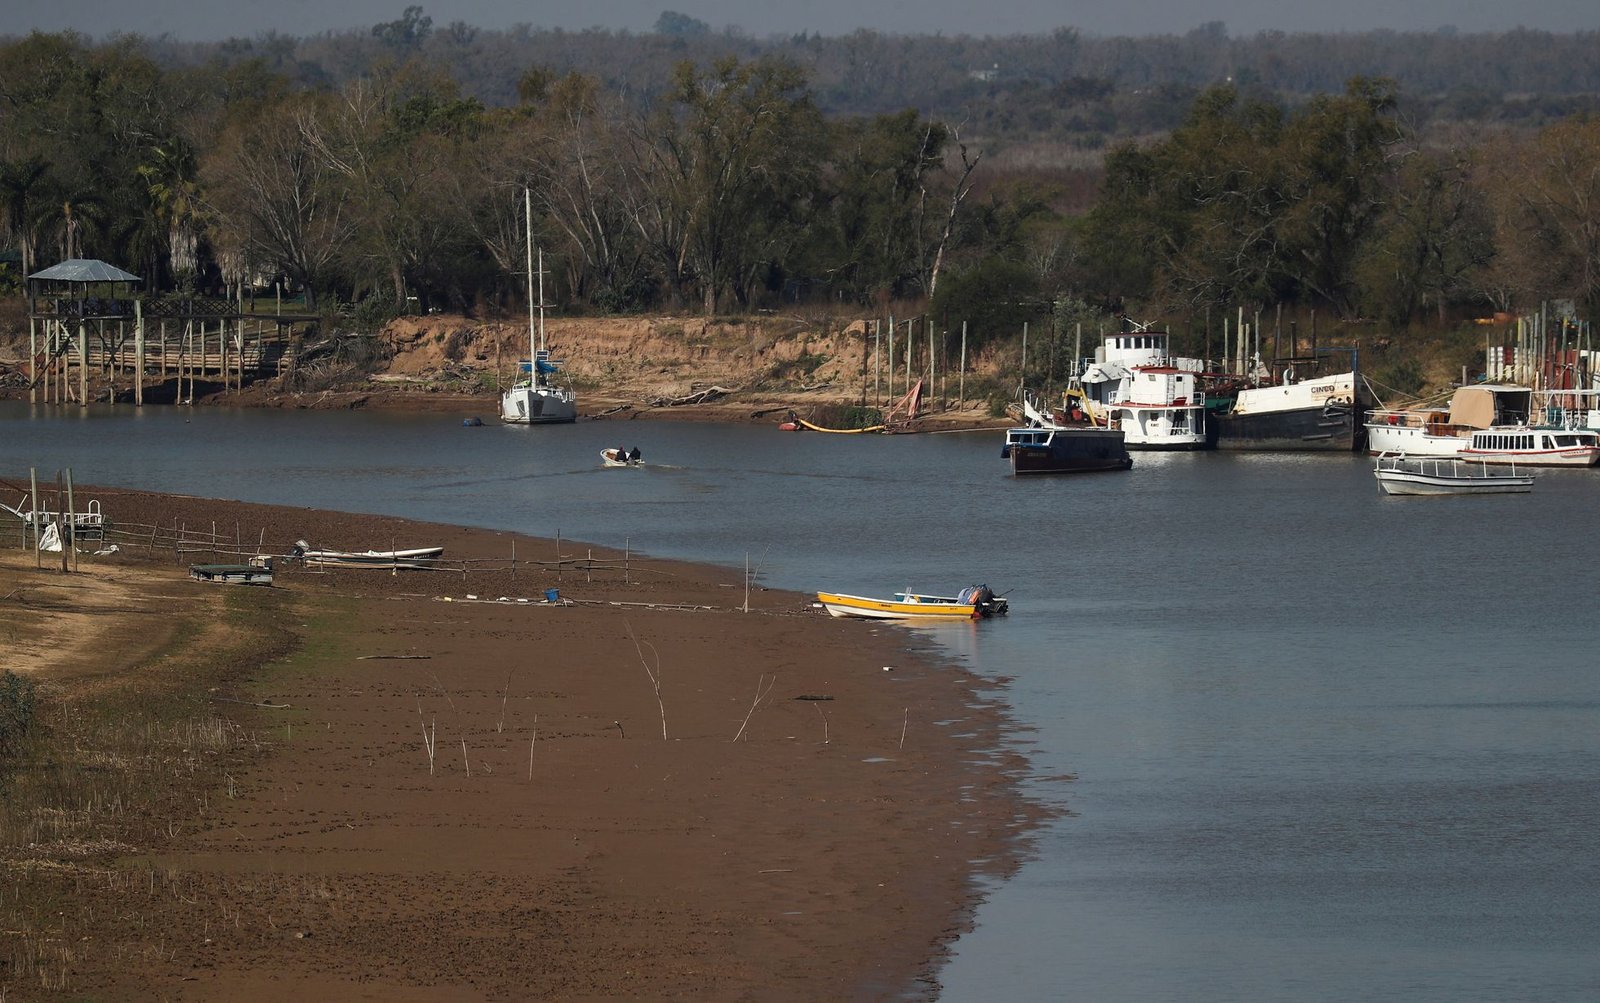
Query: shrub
x=16 y=710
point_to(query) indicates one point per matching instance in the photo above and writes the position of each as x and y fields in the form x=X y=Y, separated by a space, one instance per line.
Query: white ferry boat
x=1534 y=447
x=1135 y=386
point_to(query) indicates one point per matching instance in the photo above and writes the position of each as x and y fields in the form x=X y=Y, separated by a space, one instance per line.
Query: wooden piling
x=72 y=511
x=83 y=366
x=138 y=354
x=62 y=528
x=33 y=515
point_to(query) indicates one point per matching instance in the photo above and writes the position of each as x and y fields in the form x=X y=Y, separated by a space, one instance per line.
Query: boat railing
x=1441 y=466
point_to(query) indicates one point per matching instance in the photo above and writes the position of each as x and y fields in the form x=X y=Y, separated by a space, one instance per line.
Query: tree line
x=732 y=189
x=1064 y=84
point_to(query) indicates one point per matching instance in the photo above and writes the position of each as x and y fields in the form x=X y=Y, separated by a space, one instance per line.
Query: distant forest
x=1405 y=177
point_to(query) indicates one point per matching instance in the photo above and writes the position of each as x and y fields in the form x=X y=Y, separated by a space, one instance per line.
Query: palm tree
x=170 y=183
x=24 y=189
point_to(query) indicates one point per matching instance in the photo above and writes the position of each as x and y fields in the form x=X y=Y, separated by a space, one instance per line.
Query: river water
x=1328 y=745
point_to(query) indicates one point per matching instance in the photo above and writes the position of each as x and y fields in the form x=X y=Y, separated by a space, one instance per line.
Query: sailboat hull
x=523 y=405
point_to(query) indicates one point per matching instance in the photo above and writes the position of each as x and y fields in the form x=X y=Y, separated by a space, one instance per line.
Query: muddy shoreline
x=643 y=790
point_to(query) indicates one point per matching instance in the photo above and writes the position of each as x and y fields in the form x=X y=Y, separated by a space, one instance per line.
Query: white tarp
x=1104 y=372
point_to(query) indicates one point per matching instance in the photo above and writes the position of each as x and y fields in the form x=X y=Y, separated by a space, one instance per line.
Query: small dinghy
x=619 y=458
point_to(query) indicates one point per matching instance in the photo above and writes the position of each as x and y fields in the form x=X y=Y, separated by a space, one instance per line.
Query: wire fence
x=187 y=545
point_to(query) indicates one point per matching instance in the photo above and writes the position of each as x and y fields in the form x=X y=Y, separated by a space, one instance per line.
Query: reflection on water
x=1330 y=744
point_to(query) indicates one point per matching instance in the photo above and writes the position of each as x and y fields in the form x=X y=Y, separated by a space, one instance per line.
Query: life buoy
x=1394 y=419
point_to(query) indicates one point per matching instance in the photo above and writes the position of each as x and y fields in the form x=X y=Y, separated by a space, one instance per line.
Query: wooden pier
x=121 y=342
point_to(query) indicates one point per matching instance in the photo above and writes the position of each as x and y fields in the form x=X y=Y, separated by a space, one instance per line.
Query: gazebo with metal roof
x=84 y=270
x=84 y=312
x=66 y=287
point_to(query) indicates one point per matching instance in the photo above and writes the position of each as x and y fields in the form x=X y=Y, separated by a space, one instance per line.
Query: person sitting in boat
x=634 y=455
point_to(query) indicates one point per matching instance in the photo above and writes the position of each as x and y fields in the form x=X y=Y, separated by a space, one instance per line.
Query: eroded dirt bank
x=671 y=368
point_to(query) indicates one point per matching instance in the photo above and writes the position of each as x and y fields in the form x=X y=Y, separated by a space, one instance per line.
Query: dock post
x=72 y=523
x=33 y=515
x=62 y=534
x=138 y=354
x=83 y=365
x=33 y=362
x=961 y=391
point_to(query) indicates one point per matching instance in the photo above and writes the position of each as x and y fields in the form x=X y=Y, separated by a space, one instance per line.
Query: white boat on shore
x=1433 y=476
x=416 y=557
x=970 y=603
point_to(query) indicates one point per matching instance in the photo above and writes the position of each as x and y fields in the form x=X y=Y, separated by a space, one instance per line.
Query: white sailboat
x=534 y=400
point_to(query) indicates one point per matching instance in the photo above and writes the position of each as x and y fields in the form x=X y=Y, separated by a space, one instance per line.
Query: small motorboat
x=619 y=458
x=972 y=603
x=1398 y=474
x=417 y=557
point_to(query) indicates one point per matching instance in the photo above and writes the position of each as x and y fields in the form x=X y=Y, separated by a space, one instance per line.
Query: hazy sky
x=215 y=19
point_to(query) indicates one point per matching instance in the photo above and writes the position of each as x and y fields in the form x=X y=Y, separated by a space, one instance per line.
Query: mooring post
x=72 y=512
x=138 y=353
x=83 y=366
x=61 y=520
x=33 y=515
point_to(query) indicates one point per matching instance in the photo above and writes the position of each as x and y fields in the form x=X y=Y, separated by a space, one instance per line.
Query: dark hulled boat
x=1055 y=450
x=1316 y=414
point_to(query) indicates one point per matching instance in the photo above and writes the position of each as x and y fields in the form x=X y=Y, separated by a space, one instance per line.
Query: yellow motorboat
x=971 y=603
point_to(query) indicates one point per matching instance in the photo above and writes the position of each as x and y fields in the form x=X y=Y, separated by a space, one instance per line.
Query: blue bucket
x=552 y=595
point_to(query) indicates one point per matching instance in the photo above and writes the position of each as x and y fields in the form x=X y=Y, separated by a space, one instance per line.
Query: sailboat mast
x=527 y=208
